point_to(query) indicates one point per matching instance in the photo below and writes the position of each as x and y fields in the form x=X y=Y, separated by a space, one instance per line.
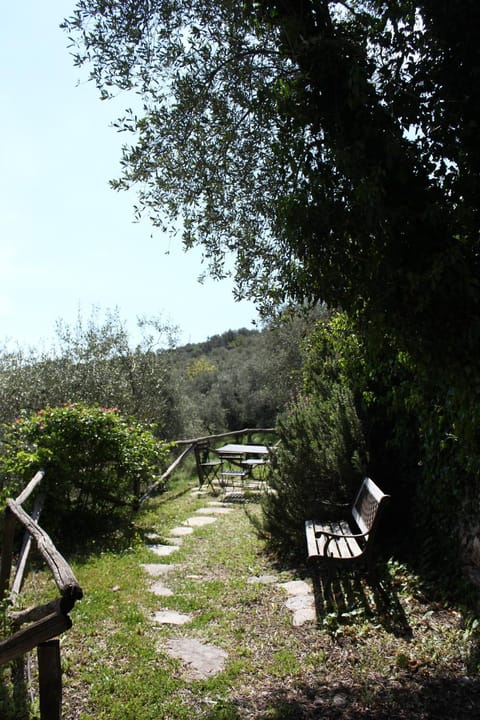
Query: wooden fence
x=38 y=627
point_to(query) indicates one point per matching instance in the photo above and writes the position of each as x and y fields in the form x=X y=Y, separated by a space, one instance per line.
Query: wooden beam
x=20 y=617
x=25 y=550
x=165 y=475
x=27 y=491
x=23 y=641
x=230 y=433
x=7 y=552
x=61 y=570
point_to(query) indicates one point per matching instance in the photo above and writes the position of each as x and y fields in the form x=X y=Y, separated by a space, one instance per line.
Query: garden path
x=202 y=660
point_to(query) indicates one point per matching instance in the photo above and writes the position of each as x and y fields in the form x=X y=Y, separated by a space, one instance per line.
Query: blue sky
x=67 y=241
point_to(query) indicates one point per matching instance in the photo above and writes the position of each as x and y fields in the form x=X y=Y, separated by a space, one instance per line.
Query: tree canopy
x=332 y=146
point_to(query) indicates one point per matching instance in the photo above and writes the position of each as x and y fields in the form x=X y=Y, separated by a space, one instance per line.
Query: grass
x=404 y=656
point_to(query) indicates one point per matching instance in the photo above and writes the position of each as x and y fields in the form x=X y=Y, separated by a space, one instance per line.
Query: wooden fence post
x=7 y=552
x=50 y=680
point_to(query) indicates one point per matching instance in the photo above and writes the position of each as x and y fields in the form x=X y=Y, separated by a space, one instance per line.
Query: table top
x=241 y=449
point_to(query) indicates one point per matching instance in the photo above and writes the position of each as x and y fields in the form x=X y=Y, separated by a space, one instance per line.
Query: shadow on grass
x=416 y=698
x=343 y=595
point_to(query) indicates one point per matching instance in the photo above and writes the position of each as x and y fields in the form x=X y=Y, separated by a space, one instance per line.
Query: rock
x=163 y=550
x=171 y=617
x=200 y=520
x=202 y=660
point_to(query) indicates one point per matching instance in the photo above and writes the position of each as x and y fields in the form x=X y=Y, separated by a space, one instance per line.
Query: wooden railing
x=45 y=622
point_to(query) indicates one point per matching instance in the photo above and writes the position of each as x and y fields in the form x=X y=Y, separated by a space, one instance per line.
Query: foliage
x=96 y=462
x=244 y=378
x=417 y=441
x=321 y=458
x=95 y=361
x=237 y=379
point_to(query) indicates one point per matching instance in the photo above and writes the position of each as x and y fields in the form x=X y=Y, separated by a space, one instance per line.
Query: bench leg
x=323 y=584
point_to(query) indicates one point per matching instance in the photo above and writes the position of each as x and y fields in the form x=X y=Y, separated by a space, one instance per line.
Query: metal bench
x=349 y=541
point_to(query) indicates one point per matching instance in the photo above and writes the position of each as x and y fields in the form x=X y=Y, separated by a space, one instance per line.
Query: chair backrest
x=202 y=450
x=366 y=508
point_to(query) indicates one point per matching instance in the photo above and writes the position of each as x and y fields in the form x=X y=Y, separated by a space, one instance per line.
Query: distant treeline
x=237 y=379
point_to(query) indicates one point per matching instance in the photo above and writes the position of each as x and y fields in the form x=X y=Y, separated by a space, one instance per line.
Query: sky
x=68 y=242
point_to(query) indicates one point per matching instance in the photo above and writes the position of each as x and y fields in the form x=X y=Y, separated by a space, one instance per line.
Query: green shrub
x=319 y=463
x=96 y=462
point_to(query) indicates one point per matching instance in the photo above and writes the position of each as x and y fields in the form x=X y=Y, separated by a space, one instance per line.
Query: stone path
x=200 y=659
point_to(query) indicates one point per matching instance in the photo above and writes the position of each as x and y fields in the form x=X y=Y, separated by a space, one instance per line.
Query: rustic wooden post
x=7 y=552
x=50 y=680
x=25 y=550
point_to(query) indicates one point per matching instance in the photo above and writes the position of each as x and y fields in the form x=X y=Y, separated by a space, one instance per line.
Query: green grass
x=355 y=662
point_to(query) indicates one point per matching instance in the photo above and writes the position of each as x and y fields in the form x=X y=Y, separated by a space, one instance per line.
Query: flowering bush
x=97 y=462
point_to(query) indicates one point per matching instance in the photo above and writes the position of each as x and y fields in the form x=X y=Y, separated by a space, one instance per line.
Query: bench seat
x=333 y=540
x=347 y=541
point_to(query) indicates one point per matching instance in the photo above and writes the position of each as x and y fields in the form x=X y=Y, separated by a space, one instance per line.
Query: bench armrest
x=333 y=536
x=312 y=534
x=329 y=504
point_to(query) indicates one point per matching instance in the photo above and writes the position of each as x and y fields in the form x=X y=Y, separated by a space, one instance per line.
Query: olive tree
x=94 y=360
x=332 y=146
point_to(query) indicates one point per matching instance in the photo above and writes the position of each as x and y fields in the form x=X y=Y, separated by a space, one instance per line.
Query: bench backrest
x=366 y=508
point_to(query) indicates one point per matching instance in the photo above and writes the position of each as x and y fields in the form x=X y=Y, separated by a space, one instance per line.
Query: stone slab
x=152 y=537
x=302 y=607
x=201 y=660
x=157 y=569
x=216 y=509
x=299 y=602
x=163 y=550
x=303 y=615
x=200 y=520
x=158 y=588
x=263 y=579
x=296 y=587
x=181 y=530
x=171 y=617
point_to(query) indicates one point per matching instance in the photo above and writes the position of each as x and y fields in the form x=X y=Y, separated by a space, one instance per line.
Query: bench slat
x=347 y=547
x=311 y=539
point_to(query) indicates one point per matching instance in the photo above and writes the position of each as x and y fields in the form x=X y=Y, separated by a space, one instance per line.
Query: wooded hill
x=237 y=379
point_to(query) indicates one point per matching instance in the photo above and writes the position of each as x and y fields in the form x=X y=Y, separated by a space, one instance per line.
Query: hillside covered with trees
x=238 y=379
